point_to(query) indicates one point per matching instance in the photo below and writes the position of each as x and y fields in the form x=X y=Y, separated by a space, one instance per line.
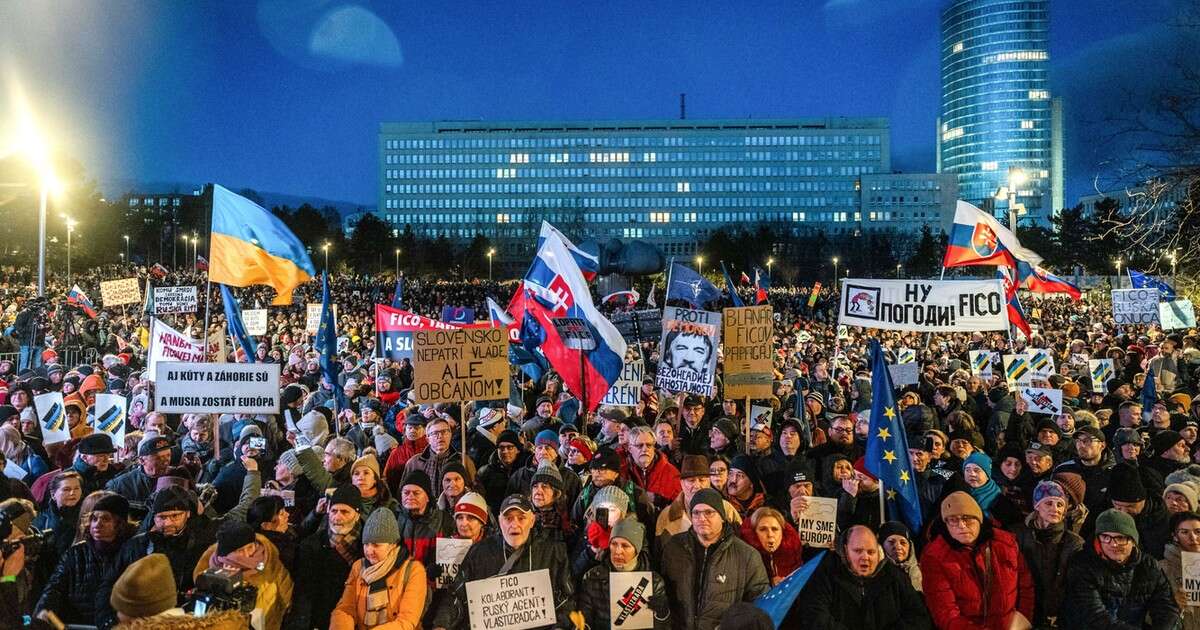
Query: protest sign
x=516 y=601
x=629 y=599
x=458 y=365
x=747 y=337
x=450 y=554
x=394 y=329
x=110 y=416
x=1017 y=370
x=818 y=524
x=1041 y=362
x=924 y=305
x=1135 y=306
x=906 y=355
x=626 y=391
x=1102 y=372
x=689 y=350
x=175 y=300
x=168 y=344
x=118 y=292
x=217 y=388
x=1042 y=400
x=575 y=333
x=1190 y=563
x=255 y=320
x=645 y=324
x=903 y=374
x=981 y=362
x=312 y=318
x=804 y=336
x=53 y=417
x=1176 y=314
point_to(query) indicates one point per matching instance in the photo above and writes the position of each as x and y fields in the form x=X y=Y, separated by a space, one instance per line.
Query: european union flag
x=327 y=344
x=1149 y=396
x=887 y=446
x=737 y=301
x=237 y=328
x=691 y=287
x=398 y=298
x=778 y=601
x=1145 y=281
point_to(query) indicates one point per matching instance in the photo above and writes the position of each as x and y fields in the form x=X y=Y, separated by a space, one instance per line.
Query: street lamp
x=1016 y=178
x=325 y=248
x=491 y=252
x=770 y=261
x=126 y=237
x=898 y=270
x=835 y=271
x=70 y=229
x=31 y=141
x=700 y=264
x=1117 y=262
x=397 y=262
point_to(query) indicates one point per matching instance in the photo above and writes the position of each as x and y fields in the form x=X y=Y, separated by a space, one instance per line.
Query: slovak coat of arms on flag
x=984 y=240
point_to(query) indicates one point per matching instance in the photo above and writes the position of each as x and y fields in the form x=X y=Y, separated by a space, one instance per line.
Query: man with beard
x=503 y=464
x=324 y=560
x=840 y=442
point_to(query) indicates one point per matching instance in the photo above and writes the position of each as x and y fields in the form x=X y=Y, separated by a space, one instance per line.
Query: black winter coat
x=136 y=486
x=703 y=582
x=71 y=591
x=593 y=596
x=493 y=479
x=321 y=575
x=182 y=551
x=836 y=599
x=1104 y=596
x=1047 y=552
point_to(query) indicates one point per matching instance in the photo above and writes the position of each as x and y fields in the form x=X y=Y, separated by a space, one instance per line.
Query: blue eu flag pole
x=887 y=447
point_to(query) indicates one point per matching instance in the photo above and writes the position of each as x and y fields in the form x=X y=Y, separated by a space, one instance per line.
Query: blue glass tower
x=998 y=117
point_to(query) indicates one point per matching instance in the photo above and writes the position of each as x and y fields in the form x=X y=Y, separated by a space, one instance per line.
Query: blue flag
x=691 y=287
x=327 y=344
x=1145 y=281
x=737 y=301
x=237 y=329
x=887 y=447
x=778 y=601
x=1149 y=396
x=398 y=298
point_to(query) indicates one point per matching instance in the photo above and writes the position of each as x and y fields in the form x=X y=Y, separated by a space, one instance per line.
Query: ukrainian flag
x=249 y=245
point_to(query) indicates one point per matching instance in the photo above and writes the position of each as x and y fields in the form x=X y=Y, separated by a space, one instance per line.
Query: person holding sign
x=624 y=555
x=1185 y=535
x=1113 y=583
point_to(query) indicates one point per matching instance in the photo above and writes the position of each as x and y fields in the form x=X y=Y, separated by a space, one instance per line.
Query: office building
x=906 y=202
x=998 y=114
x=668 y=182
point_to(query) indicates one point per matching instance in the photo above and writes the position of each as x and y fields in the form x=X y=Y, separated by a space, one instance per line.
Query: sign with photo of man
x=689 y=350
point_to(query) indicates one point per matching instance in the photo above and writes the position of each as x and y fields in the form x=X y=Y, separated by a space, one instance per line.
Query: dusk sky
x=287 y=95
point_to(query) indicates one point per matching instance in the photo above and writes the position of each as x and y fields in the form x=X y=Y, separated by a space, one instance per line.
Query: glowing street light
x=126 y=237
x=397 y=262
x=898 y=266
x=491 y=252
x=835 y=271
x=325 y=248
x=700 y=264
x=33 y=144
x=770 y=261
x=1117 y=262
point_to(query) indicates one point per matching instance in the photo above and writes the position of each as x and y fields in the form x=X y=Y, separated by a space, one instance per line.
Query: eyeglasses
x=1188 y=532
x=960 y=521
x=841 y=429
x=1118 y=540
x=438 y=432
x=704 y=515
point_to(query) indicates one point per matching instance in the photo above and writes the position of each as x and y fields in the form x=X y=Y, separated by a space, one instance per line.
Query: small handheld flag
x=76 y=297
x=778 y=601
x=237 y=328
x=887 y=446
x=733 y=296
x=762 y=284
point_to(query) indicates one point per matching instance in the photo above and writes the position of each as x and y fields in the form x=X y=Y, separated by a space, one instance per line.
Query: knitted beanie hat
x=614 y=496
x=381 y=527
x=473 y=504
x=547 y=473
x=961 y=504
x=630 y=529
x=1113 y=521
x=146 y=588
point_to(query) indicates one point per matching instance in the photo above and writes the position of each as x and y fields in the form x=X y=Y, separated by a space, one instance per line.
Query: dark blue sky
x=286 y=95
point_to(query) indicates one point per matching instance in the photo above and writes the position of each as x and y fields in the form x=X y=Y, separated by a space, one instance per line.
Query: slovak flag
x=977 y=238
x=589 y=264
x=77 y=297
x=1015 y=314
x=1039 y=280
x=762 y=283
x=201 y=263
x=557 y=288
x=499 y=316
x=158 y=271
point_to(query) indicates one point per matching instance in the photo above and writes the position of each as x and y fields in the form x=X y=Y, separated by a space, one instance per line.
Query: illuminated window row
x=1017 y=55
x=741 y=186
x=817 y=138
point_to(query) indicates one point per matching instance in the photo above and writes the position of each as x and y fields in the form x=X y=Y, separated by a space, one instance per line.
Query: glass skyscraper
x=669 y=182
x=998 y=114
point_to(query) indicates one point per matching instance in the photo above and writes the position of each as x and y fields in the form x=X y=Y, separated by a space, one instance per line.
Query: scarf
x=345 y=545
x=250 y=565
x=986 y=494
x=374 y=576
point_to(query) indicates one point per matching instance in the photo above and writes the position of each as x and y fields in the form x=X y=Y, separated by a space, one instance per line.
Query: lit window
x=518 y=158
x=683 y=187
x=988 y=166
x=1044 y=173
x=958 y=47
x=1027 y=124
x=1017 y=55
x=1039 y=95
x=951 y=134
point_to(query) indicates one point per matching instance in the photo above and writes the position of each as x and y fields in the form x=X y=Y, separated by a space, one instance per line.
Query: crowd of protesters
x=331 y=514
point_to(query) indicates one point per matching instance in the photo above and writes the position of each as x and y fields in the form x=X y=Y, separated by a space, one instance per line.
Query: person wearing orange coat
x=973 y=574
x=386 y=589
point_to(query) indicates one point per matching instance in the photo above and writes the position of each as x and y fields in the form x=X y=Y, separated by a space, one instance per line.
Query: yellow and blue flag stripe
x=252 y=246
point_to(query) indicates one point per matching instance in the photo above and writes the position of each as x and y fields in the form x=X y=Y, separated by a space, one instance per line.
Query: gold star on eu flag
x=889 y=412
x=891 y=495
x=890 y=456
x=884 y=434
x=903 y=476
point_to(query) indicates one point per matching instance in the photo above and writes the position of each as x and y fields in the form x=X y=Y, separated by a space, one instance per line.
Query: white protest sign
x=53 y=417
x=628 y=388
x=818 y=524
x=1041 y=362
x=1135 y=306
x=760 y=416
x=168 y=344
x=1102 y=372
x=906 y=355
x=312 y=318
x=804 y=336
x=513 y=602
x=118 y=292
x=1176 y=314
x=450 y=554
x=175 y=300
x=689 y=350
x=981 y=362
x=629 y=599
x=110 y=416
x=13 y=471
x=1190 y=563
x=1017 y=370
x=1042 y=400
x=217 y=388
x=255 y=320
x=923 y=305
x=903 y=374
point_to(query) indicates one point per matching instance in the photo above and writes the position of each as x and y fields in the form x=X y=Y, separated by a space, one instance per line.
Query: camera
x=221 y=589
x=258 y=443
x=31 y=541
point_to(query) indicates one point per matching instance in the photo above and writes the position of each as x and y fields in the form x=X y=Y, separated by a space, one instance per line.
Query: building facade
x=907 y=202
x=668 y=182
x=999 y=121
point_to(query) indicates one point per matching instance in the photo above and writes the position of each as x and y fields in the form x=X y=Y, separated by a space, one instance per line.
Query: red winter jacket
x=953 y=578
x=393 y=469
x=785 y=559
x=661 y=479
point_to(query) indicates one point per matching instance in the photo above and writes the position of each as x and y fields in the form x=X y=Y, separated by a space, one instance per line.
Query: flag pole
x=883 y=517
x=667 y=289
x=462 y=429
x=746 y=425
x=208 y=272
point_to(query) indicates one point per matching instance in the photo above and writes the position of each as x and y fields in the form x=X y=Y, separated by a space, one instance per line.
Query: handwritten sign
x=1190 y=563
x=903 y=374
x=629 y=599
x=255 y=320
x=450 y=554
x=175 y=300
x=312 y=318
x=747 y=336
x=118 y=292
x=513 y=602
x=628 y=388
x=1135 y=306
x=1176 y=314
x=818 y=524
x=462 y=364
